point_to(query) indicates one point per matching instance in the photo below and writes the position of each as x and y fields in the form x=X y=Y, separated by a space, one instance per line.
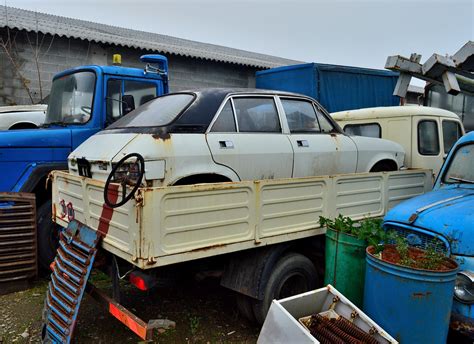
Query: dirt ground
x=203 y=311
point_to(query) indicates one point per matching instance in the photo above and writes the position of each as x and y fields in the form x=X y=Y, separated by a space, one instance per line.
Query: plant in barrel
x=409 y=290
x=346 y=241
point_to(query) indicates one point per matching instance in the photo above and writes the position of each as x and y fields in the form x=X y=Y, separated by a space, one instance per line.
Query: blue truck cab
x=83 y=101
x=444 y=217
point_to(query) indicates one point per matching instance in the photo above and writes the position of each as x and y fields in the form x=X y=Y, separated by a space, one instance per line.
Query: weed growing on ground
x=194 y=324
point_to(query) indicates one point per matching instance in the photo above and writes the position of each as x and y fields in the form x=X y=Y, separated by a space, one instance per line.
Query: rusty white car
x=219 y=135
x=22 y=116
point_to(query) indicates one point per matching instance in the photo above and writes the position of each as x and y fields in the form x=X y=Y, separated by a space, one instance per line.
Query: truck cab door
x=246 y=136
x=319 y=148
x=123 y=95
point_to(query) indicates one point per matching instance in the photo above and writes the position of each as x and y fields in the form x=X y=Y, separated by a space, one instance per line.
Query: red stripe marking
x=107 y=212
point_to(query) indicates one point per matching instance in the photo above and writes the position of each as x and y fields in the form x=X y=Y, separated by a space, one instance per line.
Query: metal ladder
x=71 y=269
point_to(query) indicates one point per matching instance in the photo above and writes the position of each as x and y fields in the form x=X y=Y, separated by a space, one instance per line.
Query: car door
x=319 y=148
x=246 y=136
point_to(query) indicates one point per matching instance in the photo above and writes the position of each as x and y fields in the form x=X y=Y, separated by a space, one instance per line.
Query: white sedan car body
x=217 y=135
x=22 y=116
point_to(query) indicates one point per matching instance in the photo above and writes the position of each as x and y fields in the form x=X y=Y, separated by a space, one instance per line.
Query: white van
x=427 y=134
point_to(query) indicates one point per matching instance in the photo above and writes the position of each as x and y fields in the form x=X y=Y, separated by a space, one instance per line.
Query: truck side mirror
x=128 y=104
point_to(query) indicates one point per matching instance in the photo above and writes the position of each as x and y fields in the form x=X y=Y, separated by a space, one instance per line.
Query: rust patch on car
x=207 y=248
x=421 y=295
x=161 y=136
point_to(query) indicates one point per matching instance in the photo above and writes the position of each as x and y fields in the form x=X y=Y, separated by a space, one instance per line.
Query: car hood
x=102 y=147
x=23 y=108
x=448 y=211
x=40 y=138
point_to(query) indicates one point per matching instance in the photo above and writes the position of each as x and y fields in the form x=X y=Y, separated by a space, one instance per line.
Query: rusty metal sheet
x=18 y=250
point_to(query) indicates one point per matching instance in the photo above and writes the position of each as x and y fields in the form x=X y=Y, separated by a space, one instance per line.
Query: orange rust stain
x=161 y=136
x=421 y=295
x=207 y=248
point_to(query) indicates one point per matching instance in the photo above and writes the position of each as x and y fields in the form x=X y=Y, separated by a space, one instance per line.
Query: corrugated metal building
x=35 y=46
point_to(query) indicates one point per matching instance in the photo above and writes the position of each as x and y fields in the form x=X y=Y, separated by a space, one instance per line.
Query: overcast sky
x=357 y=33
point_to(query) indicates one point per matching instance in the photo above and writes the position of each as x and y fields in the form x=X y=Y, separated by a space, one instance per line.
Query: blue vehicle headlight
x=464 y=287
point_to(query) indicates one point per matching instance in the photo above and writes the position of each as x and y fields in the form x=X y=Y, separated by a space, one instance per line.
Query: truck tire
x=48 y=236
x=293 y=274
x=245 y=307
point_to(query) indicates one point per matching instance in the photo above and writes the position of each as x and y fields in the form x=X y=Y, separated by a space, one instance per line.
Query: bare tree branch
x=23 y=80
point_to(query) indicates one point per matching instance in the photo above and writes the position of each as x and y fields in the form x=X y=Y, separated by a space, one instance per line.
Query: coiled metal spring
x=338 y=331
x=355 y=331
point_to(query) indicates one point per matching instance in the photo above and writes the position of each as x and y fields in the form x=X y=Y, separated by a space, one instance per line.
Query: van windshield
x=158 y=112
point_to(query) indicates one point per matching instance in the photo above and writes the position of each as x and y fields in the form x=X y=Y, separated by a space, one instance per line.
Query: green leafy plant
x=341 y=224
x=402 y=247
x=430 y=259
x=369 y=230
x=194 y=324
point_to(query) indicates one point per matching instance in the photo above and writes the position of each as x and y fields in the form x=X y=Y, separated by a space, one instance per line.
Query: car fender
x=372 y=150
x=9 y=119
x=377 y=158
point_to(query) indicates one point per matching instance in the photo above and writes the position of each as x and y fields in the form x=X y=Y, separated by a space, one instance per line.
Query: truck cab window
x=428 y=140
x=136 y=93
x=257 y=115
x=301 y=116
x=451 y=133
x=225 y=122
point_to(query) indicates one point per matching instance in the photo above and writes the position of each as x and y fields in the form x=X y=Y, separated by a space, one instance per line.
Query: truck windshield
x=461 y=168
x=155 y=113
x=70 y=100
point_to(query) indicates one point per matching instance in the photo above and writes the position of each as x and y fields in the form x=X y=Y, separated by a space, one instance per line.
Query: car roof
x=224 y=92
x=392 y=111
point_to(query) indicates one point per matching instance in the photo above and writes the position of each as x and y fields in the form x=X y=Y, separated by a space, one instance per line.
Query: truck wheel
x=293 y=274
x=48 y=236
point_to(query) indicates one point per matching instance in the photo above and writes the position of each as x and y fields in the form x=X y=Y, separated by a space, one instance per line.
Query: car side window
x=365 y=129
x=225 y=122
x=255 y=114
x=428 y=140
x=300 y=115
x=325 y=125
x=451 y=133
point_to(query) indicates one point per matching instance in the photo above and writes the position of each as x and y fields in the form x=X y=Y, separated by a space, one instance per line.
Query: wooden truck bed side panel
x=182 y=223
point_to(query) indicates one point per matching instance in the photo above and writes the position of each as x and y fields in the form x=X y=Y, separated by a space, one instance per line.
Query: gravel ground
x=203 y=311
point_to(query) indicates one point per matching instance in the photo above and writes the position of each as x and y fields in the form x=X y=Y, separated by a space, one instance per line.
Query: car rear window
x=155 y=113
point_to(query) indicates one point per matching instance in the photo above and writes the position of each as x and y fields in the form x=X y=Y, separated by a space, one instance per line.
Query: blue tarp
x=336 y=87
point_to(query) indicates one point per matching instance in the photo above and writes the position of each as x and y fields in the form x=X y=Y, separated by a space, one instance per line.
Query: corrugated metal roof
x=20 y=19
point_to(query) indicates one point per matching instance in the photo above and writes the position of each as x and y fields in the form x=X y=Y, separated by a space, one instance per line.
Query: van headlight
x=464 y=287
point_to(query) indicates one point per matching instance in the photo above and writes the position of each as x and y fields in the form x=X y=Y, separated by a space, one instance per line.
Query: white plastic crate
x=284 y=321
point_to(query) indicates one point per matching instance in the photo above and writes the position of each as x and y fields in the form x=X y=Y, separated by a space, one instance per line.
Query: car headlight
x=464 y=287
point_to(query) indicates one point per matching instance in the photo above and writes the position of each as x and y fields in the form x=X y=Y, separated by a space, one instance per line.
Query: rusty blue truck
x=444 y=218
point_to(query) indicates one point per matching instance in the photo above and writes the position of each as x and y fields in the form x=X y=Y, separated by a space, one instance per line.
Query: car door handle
x=226 y=144
x=302 y=143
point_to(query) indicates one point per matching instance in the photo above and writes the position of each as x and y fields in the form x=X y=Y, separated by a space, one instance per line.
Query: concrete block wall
x=59 y=53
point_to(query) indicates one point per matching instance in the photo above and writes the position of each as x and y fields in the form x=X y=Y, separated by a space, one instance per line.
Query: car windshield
x=161 y=111
x=461 y=168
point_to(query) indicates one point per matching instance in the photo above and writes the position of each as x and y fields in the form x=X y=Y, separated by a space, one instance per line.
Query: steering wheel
x=87 y=110
x=124 y=179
